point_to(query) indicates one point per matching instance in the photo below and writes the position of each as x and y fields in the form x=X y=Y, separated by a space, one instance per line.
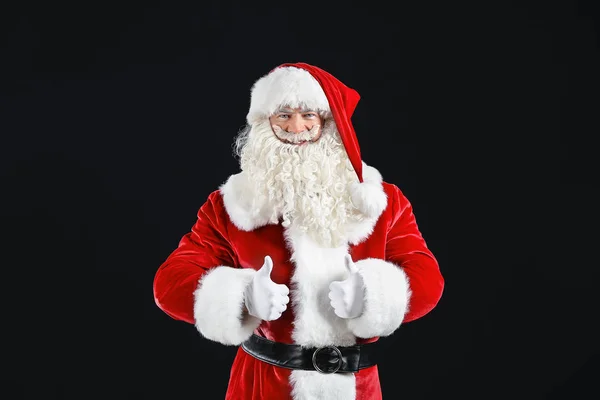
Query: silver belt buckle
x=314 y=359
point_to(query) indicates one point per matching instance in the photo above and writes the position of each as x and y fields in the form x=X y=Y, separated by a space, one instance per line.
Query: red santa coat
x=202 y=282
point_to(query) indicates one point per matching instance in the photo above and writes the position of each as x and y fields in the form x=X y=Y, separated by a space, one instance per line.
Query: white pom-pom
x=369 y=197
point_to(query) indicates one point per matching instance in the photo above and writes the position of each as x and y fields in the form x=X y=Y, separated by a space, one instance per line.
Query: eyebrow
x=291 y=111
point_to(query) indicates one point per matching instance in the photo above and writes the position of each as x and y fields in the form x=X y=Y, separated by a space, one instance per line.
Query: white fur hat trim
x=285 y=86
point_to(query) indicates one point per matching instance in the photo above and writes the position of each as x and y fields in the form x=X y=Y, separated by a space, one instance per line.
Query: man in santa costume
x=305 y=257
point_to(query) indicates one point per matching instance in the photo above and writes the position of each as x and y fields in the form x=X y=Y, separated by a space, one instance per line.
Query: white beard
x=307 y=186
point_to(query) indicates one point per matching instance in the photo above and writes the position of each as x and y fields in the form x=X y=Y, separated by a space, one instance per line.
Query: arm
x=407 y=284
x=200 y=283
x=407 y=249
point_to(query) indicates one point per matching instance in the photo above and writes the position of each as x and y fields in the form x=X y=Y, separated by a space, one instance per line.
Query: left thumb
x=350 y=264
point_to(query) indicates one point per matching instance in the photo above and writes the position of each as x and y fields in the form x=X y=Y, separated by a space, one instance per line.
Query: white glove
x=348 y=296
x=264 y=298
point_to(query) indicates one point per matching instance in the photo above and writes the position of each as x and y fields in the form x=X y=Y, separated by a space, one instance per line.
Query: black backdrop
x=117 y=121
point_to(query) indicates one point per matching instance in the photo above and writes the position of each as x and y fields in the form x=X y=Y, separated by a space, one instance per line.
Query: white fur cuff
x=218 y=305
x=387 y=293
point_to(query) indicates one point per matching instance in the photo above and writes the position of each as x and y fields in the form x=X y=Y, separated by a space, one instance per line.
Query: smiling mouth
x=299 y=142
x=300 y=138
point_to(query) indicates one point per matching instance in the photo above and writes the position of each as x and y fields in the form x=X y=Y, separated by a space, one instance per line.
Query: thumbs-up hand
x=347 y=296
x=264 y=298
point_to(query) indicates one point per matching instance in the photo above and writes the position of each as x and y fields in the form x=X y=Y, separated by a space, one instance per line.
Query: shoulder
x=213 y=209
x=397 y=201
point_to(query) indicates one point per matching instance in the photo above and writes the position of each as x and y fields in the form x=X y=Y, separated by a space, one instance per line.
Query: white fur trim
x=237 y=198
x=285 y=86
x=360 y=231
x=315 y=268
x=315 y=322
x=218 y=305
x=311 y=385
x=387 y=293
x=369 y=196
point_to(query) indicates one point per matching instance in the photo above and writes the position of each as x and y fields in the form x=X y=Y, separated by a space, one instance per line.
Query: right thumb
x=267 y=267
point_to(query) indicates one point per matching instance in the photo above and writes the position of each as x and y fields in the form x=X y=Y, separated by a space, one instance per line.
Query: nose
x=296 y=124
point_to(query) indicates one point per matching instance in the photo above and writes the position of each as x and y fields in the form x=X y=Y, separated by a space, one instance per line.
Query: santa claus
x=305 y=257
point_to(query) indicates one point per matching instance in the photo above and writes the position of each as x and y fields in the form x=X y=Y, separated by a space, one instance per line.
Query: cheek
x=274 y=121
x=276 y=128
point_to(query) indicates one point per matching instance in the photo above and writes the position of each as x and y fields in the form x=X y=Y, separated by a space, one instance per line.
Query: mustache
x=295 y=138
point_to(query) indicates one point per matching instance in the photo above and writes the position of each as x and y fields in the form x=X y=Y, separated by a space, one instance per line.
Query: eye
x=310 y=115
x=282 y=116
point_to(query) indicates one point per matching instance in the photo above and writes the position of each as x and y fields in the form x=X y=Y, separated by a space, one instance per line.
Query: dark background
x=116 y=122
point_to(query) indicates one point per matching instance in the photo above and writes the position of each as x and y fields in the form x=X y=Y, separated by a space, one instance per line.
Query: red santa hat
x=303 y=85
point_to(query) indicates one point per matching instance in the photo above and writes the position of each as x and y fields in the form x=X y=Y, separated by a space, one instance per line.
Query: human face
x=296 y=126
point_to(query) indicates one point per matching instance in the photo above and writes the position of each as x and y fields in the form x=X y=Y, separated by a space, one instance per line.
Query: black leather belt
x=326 y=359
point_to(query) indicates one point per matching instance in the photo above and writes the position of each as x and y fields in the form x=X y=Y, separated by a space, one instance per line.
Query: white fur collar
x=368 y=196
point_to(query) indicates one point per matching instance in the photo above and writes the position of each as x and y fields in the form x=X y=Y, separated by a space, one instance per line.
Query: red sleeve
x=406 y=248
x=205 y=247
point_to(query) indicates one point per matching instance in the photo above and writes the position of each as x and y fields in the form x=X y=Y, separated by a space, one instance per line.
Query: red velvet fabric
x=215 y=241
